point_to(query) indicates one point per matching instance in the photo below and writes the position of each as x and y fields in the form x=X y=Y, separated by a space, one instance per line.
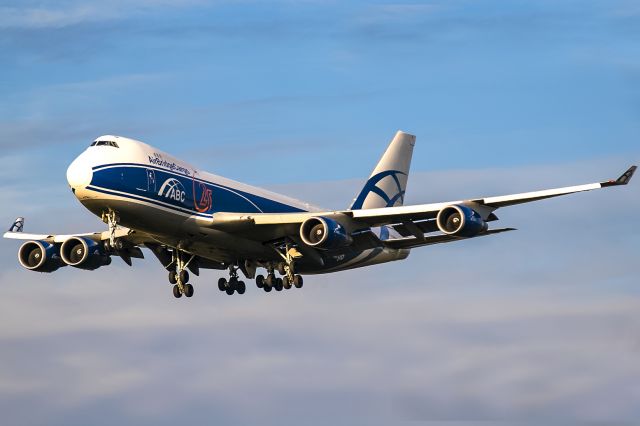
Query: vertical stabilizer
x=388 y=182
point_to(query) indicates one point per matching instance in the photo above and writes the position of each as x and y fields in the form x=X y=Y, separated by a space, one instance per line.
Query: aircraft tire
x=278 y=285
x=184 y=276
x=222 y=284
x=271 y=280
x=173 y=277
x=298 y=281
x=230 y=290
x=241 y=287
x=281 y=269
x=188 y=290
x=176 y=292
x=260 y=281
x=286 y=283
x=267 y=288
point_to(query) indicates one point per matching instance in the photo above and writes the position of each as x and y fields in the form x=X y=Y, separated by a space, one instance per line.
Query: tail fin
x=387 y=184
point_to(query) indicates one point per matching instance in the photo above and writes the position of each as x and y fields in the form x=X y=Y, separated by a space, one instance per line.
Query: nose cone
x=79 y=173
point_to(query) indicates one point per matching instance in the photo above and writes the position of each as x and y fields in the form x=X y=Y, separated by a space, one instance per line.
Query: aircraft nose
x=79 y=173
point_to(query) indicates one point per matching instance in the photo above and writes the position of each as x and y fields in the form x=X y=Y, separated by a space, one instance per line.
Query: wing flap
x=407 y=243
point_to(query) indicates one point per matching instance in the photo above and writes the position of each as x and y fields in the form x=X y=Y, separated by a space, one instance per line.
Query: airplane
x=193 y=220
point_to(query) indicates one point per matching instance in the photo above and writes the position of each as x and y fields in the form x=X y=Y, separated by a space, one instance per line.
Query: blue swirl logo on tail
x=371 y=186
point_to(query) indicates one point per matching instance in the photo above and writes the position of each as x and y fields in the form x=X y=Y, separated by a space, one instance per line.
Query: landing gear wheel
x=184 y=276
x=298 y=281
x=267 y=288
x=230 y=290
x=281 y=269
x=241 y=287
x=176 y=292
x=173 y=277
x=278 y=285
x=222 y=284
x=188 y=290
x=286 y=283
x=270 y=281
x=260 y=281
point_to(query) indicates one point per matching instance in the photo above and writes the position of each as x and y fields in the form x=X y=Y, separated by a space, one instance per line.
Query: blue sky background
x=302 y=97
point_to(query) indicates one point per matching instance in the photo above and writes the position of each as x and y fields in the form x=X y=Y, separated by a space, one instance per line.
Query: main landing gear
x=179 y=276
x=271 y=282
x=287 y=268
x=233 y=284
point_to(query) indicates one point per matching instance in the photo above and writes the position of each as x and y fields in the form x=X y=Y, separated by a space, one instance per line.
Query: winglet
x=18 y=225
x=626 y=176
x=623 y=179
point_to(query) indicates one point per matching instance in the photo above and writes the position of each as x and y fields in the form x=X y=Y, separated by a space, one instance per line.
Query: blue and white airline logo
x=172 y=189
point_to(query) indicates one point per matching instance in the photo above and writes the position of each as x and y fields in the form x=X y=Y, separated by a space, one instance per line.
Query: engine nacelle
x=324 y=233
x=84 y=253
x=460 y=221
x=39 y=256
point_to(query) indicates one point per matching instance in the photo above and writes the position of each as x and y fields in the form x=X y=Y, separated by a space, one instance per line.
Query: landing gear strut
x=111 y=219
x=233 y=284
x=178 y=275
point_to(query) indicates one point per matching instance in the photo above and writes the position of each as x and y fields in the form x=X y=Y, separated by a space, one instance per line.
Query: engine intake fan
x=460 y=221
x=39 y=256
x=324 y=233
x=84 y=253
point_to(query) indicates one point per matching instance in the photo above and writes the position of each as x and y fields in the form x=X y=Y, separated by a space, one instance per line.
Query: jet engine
x=460 y=221
x=84 y=253
x=324 y=233
x=39 y=256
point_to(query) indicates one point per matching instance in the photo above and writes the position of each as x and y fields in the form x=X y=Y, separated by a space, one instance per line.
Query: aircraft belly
x=342 y=261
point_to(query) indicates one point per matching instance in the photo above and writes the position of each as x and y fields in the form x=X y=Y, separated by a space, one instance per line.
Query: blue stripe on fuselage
x=184 y=193
x=148 y=201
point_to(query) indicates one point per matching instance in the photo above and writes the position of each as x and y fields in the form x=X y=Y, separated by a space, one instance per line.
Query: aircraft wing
x=132 y=239
x=128 y=234
x=413 y=217
x=484 y=206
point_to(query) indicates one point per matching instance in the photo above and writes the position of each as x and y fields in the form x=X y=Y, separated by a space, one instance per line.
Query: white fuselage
x=172 y=201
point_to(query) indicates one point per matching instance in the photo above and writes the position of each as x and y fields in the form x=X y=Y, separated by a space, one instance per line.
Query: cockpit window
x=105 y=143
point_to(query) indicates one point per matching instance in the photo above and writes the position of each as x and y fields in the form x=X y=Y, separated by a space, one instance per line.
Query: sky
x=541 y=324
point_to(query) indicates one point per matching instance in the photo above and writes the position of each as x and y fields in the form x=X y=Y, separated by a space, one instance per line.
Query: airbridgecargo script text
x=171 y=166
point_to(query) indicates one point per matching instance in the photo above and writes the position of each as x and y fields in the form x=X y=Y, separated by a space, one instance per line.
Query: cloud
x=57 y=15
x=40 y=18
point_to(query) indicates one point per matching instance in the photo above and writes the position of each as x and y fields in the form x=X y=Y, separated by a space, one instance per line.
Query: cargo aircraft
x=193 y=220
